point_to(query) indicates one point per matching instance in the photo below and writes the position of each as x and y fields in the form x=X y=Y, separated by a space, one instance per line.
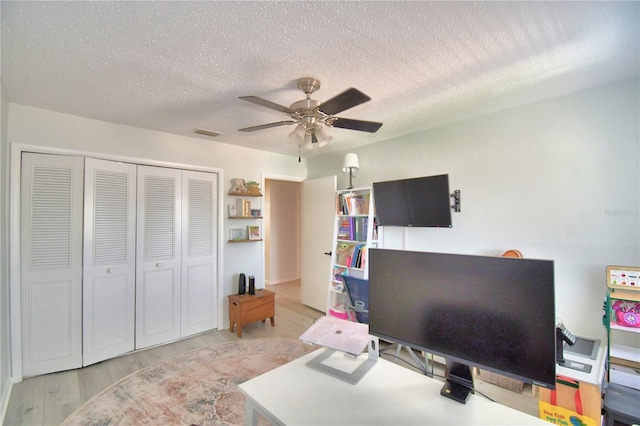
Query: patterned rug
x=196 y=388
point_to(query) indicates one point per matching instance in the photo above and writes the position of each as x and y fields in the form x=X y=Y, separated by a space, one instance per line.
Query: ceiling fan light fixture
x=323 y=136
x=308 y=143
x=299 y=132
x=311 y=117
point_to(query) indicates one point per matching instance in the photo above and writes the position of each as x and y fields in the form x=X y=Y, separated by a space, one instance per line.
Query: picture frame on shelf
x=233 y=212
x=237 y=234
x=254 y=232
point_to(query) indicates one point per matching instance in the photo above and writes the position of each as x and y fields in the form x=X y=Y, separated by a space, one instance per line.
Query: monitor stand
x=323 y=363
x=458 y=384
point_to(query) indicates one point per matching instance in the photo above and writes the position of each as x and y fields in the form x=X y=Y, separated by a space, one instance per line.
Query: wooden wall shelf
x=244 y=194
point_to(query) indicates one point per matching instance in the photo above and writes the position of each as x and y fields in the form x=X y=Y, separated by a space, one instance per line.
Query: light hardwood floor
x=50 y=398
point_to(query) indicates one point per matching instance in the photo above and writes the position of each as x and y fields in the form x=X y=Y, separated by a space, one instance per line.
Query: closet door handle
x=159 y=264
x=110 y=270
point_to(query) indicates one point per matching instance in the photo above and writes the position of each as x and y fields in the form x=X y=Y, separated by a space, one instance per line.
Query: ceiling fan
x=312 y=117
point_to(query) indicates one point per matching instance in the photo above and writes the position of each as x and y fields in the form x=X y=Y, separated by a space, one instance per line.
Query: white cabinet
x=355 y=232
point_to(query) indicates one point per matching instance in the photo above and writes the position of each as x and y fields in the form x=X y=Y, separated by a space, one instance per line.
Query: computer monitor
x=494 y=313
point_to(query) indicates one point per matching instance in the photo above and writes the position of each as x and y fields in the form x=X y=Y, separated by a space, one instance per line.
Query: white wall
x=557 y=179
x=42 y=128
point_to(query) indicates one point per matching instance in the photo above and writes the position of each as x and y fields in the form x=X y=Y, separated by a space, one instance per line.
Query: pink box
x=338 y=312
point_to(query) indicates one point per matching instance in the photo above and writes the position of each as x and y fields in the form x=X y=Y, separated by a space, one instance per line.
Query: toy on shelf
x=627 y=313
x=240 y=187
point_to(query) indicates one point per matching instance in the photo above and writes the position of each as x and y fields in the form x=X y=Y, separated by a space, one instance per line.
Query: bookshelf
x=355 y=231
x=244 y=207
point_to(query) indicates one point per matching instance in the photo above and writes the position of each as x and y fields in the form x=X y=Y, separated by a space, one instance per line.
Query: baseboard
x=6 y=394
x=286 y=280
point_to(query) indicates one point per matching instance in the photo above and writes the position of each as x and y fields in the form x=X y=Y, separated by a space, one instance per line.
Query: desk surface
x=389 y=394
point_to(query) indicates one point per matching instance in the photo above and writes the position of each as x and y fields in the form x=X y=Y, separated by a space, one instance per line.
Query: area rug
x=195 y=388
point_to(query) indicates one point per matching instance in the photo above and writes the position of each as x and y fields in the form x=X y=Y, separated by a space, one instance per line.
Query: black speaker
x=242 y=284
x=252 y=284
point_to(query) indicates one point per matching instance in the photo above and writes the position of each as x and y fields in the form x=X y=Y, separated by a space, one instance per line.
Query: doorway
x=282 y=231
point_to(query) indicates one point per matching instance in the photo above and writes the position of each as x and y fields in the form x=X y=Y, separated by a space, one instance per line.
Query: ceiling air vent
x=206 y=132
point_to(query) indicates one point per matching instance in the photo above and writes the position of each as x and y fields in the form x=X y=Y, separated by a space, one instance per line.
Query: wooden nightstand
x=247 y=308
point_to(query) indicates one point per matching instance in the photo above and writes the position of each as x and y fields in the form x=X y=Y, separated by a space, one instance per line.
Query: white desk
x=388 y=394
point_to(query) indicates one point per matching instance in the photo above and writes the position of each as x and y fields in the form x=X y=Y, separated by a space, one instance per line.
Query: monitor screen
x=495 y=313
x=418 y=202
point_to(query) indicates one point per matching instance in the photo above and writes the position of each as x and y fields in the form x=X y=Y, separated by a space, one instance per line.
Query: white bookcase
x=355 y=232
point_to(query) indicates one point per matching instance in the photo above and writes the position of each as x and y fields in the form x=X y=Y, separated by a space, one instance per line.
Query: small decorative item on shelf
x=238 y=186
x=237 y=234
x=233 y=212
x=627 y=313
x=253 y=188
x=256 y=212
x=254 y=232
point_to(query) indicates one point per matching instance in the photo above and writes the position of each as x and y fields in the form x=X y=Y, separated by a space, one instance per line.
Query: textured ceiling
x=178 y=66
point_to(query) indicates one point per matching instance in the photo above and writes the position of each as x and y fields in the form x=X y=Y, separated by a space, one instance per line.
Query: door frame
x=14 y=232
x=274 y=176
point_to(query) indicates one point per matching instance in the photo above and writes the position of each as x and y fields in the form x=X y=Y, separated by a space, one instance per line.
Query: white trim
x=14 y=232
x=4 y=404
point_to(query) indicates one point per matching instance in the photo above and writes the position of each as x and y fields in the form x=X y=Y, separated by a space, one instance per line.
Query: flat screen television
x=494 y=313
x=418 y=202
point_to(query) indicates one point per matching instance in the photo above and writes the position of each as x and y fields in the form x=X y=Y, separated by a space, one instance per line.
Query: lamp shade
x=307 y=144
x=350 y=162
x=298 y=133
x=323 y=136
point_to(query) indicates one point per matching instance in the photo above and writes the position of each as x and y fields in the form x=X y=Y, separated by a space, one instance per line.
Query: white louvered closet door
x=199 y=237
x=109 y=260
x=51 y=263
x=158 y=256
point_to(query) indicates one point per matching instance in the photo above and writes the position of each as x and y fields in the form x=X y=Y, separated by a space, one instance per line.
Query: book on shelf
x=350 y=254
x=366 y=203
x=356 y=204
x=353 y=228
x=243 y=207
x=353 y=204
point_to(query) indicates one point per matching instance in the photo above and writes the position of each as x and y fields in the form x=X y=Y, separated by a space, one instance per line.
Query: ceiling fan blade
x=361 y=125
x=268 y=104
x=343 y=101
x=267 y=126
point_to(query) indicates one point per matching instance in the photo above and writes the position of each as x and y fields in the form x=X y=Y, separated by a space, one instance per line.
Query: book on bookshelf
x=356 y=204
x=243 y=207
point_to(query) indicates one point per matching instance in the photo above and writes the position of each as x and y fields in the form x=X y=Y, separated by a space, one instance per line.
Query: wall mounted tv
x=494 y=313
x=418 y=202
